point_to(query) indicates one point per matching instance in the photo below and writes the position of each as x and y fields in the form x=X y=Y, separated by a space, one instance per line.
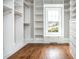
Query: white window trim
x=62 y=21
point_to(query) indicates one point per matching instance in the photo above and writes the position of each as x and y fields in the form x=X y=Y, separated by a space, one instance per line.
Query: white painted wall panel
x=8 y=33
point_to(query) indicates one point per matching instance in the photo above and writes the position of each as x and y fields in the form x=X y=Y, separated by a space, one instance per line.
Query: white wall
x=65 y=38
x=13 y=43
x=8 y=33
x=61 y=39
x=13 y=32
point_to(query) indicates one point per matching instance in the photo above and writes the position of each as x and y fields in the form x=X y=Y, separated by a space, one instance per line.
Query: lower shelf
x=38 y=36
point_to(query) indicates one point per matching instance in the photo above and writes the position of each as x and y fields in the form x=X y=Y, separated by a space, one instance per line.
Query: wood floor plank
x=43 y=51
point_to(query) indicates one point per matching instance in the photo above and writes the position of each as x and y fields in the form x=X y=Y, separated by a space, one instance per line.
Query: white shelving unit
x=18 y=24
x=18 y=18
x=13 y=25
x=18 y=6
x=7 y=6
x=8 y=3
x=8 y=24
x=28 y=20
x=27 y=14
x=73 y=28
x=38 y=19
x=7 y=10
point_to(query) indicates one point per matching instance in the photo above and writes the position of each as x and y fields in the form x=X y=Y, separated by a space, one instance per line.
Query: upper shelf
x=18 y=13
x=28 y=3
x=8 y=3
x=6 y=8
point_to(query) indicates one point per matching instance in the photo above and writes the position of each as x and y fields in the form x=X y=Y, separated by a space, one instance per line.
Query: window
x=53 y=20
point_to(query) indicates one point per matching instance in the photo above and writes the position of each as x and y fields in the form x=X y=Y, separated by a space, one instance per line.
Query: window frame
x=61 y=33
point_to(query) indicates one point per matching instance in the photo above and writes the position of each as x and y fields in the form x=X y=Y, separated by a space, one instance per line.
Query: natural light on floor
x=54 y=53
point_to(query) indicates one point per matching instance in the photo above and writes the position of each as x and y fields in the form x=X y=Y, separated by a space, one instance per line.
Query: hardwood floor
x=43 y=51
